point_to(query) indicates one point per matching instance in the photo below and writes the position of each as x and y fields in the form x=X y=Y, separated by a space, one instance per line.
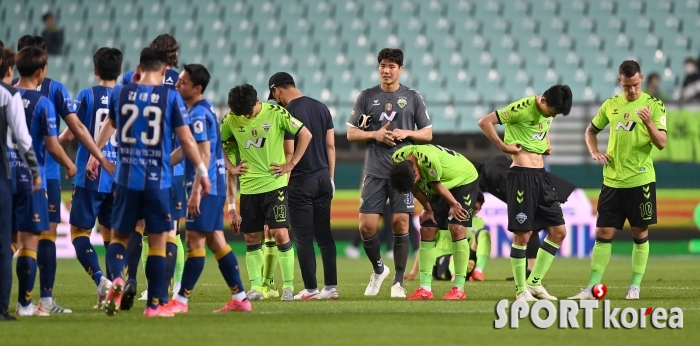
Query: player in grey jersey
x=386 y=117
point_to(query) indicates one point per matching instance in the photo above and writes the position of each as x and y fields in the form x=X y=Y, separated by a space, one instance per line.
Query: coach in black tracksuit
x=12 y=118
x=311 y=188
x=493 y=178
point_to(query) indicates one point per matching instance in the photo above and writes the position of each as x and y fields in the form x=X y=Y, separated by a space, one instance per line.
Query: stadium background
x=466 y=58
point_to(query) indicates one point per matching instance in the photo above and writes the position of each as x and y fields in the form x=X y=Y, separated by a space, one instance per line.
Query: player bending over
x=205 y=221
x=145 y=115
x=254 y=132
x=637 y=124
x=445 y=184
x=92 y=195
x=31 y=209
x=531 y=198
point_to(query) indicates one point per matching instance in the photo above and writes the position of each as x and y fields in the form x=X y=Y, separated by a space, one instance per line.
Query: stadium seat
x=516 y=10
x=374 y=11
x=236 y=12
x=573 y=8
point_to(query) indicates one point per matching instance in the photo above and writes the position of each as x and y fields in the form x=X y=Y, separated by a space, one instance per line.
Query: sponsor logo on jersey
x=258 y=143
x=104 y=99
x=375 y=103
x=241 y=129
x=628 y=126
x=198 y=127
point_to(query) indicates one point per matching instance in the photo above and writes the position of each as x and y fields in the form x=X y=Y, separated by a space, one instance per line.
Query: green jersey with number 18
x=260 y=142
x=525 y=125
x=438 y=164
x=629 y=145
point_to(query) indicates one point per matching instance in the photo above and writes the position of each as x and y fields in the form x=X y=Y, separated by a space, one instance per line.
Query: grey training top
x=404 y=108
x=12 y=119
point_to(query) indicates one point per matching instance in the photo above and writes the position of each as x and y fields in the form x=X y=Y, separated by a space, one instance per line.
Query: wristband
x=202 y=170
x=231 y=206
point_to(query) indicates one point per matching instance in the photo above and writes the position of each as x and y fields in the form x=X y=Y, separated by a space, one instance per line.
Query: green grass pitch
x=357 y=320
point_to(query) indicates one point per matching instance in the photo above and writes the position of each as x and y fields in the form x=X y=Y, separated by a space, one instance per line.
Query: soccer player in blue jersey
x=92 y=195
x=59 y=96
x=205 y=221
x=31 y=217
x=167 y=45
x=145 y=114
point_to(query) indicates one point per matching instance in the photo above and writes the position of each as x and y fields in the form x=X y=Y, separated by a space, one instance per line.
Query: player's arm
x=66 y=137
x=455 y=208
x=330 y=153
x=421 y=197
x=289 y=124
x=51 y=142
x=16 y=121
x=488 y=127
x=655 y=121
x=591 y=136
x=176 y=157
x=231 y=186
x=288 y=153
x=196 y=195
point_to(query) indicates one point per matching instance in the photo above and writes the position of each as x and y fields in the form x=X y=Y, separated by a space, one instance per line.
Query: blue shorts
x=211 y=217
x=151 y=205
x=88 y=205
x=30 y=212
x=53 y=189
x=178 y=206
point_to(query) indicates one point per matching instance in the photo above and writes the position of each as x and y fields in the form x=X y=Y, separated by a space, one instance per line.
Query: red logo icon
x=599 y=291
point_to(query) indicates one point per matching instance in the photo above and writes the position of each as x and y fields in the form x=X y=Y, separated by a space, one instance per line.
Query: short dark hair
x=167 y=44
x=152 y=60
x=480 y=198
x=394 y=55
x=242 y=99
x=31 y=41
x=2 y=45
x=108 y=63
x=31 y=59
x=199 y=75
x=652 y=76
x=629 y=68
x=690 y=59
x=401 y=176
x=46 y=16
x=559 y=97
x=8 y=61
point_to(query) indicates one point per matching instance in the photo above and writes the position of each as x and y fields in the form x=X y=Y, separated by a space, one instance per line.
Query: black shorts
x=635 y=204
x=268 y=208
x=532 y=201
x=375 y=192
x=465 y=195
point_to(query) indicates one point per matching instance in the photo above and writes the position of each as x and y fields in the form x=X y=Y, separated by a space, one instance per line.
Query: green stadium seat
x=237 y=12
x=100 y=13
x=516 y=10
x=375 y=10
x=573 y=8
x=545 y=8
x=668 y=28
x=271 y=29
x=182 y=14
x=602 y=8
x=489 y=9
x=474 y=46
x=502 y=48
x=419 y=45
x=532 y=47
x=128 y=12
x=440 y=27
x=563 y=43
x=555 y=27
x=634 y=7
x=661 y=7
x=348 y=9
x=405 y=9
x=353 y=29
x=593 y=59
x=445 y=120
x=321 y=9
x=546 y=80
x=382 y=29
x=299 y=27
x=525 y=26
x=460 y=11
x=470 y=115
x=265 y=12
x=413 y=28
x=459 y=80
x=346 y=87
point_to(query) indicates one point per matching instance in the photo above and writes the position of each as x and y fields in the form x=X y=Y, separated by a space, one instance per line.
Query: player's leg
x=482 y=240
x=136 y=250
x=401 y=206
x=466 y=196
x=386 y=235
x=158 y=227
x=179 y=262
x=252 y=225
x=228 y=265
x=6 y=252
x=548 y=213
x=271 y=256
x=46 y=249
x=611 y=217
x=194 y=265
x=324 y=237
x=372 y=200
x=301 y=218
x=32 y=218
x=170 y=259
x=533 y=246
x=522 y=203
x=276 y=212
x=641 y=213
x=427 y=253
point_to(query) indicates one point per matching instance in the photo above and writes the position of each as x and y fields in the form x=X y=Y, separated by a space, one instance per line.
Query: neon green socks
x=461 y=257
x=483 y=250
x=600 y=257
x=545 y=257
x=640 y=255
x=426 y=260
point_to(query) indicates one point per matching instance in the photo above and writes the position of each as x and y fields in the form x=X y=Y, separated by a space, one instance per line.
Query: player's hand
x=548 y=151
x=281 y=169
x=601 y=158
x=385 y=136
x=400 y=134
x=141 y=224
x=512 y=148
x=645 y=114
x=333 y=185
x=206 y=185
x=234 y=221
x=92 y=167
x=36 y=184
x=427 y=215
x=193 y=205
x=459 y=213
x=240 y=169
x=71 y=171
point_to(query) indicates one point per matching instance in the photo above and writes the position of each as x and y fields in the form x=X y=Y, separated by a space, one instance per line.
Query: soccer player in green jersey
x=445 y=184
x=531 y=198
x=254 y=132
x=637 y=124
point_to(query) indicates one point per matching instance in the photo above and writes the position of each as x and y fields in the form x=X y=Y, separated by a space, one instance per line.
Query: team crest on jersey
x=505 y=115
x=402 y=102
x=241 y=129
x=433 y=173
x=663 y=120
x=294 y=123
x=627 y=116
x=254 y=133
x=266 y=127
x=198 y=126
x=388 y=107
x=521 y=218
